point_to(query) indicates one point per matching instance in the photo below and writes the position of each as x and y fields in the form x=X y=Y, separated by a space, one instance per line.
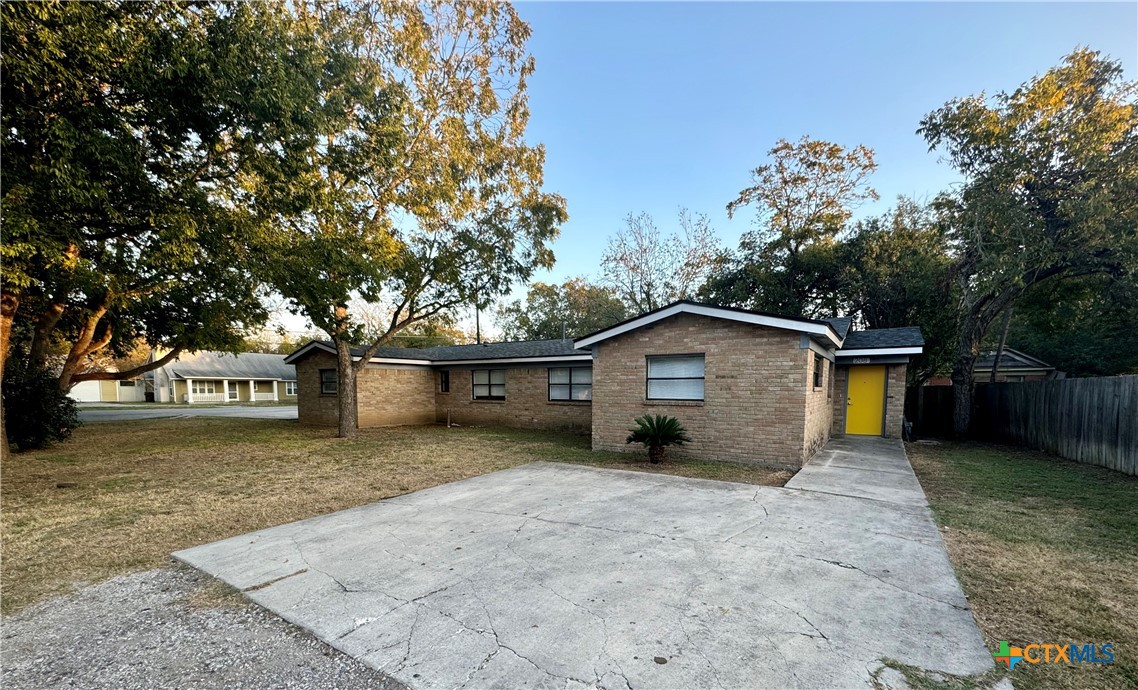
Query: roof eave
x=808 y=326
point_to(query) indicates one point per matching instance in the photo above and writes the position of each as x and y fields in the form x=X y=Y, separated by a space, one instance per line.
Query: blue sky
x=653 y=106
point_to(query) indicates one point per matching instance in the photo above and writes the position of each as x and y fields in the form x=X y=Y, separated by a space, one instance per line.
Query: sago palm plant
x=656 y=433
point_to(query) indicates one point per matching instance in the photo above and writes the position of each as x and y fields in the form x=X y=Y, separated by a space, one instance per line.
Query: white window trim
x=648 y=378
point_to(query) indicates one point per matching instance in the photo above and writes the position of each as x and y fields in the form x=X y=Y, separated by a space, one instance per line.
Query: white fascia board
x=396 y=360
x=714 y=312
x=881 y=351
x=512 y=360
x=813 y=346
x=456 y=362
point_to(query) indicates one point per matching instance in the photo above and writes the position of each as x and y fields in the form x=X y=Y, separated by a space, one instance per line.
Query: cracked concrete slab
x=558 y=576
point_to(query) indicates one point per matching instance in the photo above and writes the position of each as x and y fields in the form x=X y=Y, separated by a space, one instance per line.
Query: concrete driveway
x=129 y=412
x=557 y=576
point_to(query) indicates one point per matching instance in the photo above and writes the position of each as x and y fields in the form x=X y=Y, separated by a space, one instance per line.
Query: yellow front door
x=865 y=400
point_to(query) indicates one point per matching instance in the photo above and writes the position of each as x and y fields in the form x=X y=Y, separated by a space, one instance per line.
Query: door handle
x=849 y=401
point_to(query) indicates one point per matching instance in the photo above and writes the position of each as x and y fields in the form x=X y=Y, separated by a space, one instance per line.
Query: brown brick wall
x=894 y=399
x=311 y=406
x=527 y=403
x=754 y=408
x=819 y=407
x=841 y=389
x=391 y=396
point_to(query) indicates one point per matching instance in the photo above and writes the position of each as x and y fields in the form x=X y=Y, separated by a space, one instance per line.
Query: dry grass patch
x=119 y=497
x=1046 y=550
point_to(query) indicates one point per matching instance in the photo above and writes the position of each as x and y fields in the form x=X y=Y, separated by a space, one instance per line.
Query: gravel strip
x=168 y=628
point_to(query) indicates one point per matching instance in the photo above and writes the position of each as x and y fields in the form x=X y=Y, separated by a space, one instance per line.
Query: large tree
x=571 y=309
x=804 y=197
x=647 y=269
x=895 y=270
x=125 y=126
x=1051 y=190
x=424 y=194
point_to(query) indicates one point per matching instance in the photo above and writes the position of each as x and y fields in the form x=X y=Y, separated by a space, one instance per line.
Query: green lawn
x=1047 y=552
x=120 y=496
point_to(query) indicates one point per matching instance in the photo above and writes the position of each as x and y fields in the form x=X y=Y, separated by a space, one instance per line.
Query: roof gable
x=818 y=329
x=1010 y=360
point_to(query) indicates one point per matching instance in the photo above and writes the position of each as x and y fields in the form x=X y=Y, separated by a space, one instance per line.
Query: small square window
x=290 y=388
x=488 y=384
x=328 y=383
x=571 y=383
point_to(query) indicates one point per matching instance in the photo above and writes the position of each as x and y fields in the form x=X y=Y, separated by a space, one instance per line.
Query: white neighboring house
x=220 y=377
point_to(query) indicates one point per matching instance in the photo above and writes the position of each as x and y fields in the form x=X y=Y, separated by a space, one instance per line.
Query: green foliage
x=1082 y=326
x=422 y=193
x=790 y=264
x=36 y=413
x=549 y=312
x=896 y=270
x=126 y=130
x=657 y=432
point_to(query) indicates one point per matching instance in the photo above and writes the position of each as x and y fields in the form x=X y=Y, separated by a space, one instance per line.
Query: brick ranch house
x=750 y=387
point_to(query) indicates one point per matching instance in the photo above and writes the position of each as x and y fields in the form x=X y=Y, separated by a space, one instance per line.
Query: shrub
x=36 y=413
x=656 y=433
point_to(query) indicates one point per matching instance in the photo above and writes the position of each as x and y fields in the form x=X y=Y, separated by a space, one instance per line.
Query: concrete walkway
x=552 y=575
x=862 y=467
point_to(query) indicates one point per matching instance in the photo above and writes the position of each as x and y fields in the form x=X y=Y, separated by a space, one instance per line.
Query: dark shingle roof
x=841 y=324
x=908 y=336
x=450 y=353
x=218 y=365
x=1011 y=359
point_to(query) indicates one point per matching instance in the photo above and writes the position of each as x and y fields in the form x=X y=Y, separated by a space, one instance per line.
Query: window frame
x=819 y=372
x=549 y=384
x=290 y=385
x=202 y=382
x=444 y=381
x=324 y=383
x=648 y=378
x=489 y=386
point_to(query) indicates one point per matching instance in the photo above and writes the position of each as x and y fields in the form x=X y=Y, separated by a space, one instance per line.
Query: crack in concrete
x=850 y=566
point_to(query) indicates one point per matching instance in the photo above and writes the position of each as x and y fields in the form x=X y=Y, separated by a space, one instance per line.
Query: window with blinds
x=488 y=384
x=675 y=377
x=571 y=383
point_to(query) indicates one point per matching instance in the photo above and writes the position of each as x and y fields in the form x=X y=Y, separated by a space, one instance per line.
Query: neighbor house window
x=444 y=381
x=328 y=385
x=488 y=384
x=571 y=383
x=819 y=370
x=675 y=377
x=290 y=388
x=202 y=387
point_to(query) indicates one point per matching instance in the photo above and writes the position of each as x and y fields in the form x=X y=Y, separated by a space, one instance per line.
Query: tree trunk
x=84 y=345
x=9 y=302
x=1003 y=341
x=655 y=454
x=346 y=390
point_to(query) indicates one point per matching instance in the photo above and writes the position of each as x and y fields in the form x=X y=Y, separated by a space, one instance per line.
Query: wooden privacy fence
x=1092 y=420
